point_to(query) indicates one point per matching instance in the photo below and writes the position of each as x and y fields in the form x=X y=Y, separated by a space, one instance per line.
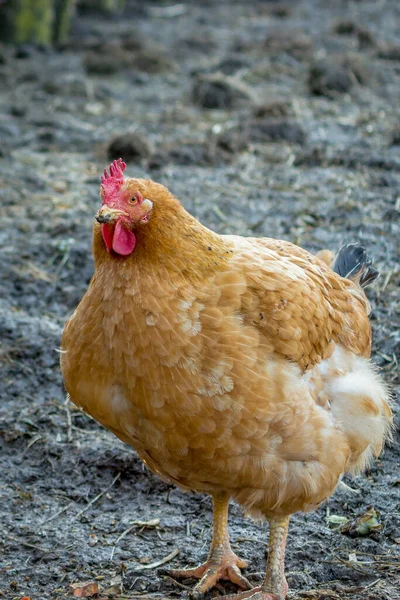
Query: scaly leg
x=222 y=563
x=274 y=586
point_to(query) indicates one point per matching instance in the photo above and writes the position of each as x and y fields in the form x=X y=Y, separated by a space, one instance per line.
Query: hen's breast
x=200 y=395
x=179 y=373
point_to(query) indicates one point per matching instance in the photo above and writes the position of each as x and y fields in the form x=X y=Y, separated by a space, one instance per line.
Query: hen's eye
x=133 y=200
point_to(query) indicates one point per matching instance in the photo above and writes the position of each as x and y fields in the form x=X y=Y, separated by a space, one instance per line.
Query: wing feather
x=299 y=303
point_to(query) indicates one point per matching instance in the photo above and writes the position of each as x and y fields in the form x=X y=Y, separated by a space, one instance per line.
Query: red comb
x=111 y=181
x=117 y=169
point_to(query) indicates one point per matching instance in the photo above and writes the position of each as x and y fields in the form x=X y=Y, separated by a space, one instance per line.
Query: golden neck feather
x=172 y=241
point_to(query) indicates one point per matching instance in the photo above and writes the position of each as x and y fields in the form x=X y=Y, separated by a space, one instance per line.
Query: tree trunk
x=44 y=21
x=35 y=21
x=26 y=21
x=63 y=10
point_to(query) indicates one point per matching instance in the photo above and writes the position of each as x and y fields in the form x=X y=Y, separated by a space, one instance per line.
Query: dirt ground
x=265 y=118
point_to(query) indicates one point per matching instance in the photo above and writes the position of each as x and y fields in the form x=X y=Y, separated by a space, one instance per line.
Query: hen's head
x=125 y=208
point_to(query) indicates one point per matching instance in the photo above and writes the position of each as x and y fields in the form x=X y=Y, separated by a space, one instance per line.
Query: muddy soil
x=265 y=118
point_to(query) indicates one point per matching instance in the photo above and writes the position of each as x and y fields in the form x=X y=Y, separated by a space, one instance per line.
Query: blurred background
x=265 y=118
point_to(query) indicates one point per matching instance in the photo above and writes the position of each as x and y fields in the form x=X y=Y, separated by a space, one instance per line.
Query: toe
x=236 y=577
x=196 y=573
x=225 y=567
x=242 y=564
x=207 y=582
x=254 y=594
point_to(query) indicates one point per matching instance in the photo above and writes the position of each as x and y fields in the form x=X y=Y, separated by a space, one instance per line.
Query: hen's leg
x=274 y=586
x=275 y=580
x=222 y=563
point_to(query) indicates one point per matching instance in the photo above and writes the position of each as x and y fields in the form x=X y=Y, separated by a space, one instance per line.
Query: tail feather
x=353 y=262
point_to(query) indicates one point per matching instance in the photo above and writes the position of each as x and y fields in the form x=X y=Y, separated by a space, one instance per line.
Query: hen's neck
x=172 y=242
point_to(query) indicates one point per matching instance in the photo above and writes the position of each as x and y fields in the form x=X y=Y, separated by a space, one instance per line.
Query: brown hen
x=236 y=367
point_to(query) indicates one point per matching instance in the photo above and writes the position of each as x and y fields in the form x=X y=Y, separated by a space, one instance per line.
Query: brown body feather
x=231 y=365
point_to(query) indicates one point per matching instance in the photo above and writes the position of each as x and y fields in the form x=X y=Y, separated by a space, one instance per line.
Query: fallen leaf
x=93 y=539
x=151 y=523
x=114 y=590
x=84 y=589
x=115 y=586
x=336 y=520
x=368 y=523
x=364 y=524
x=353 y=557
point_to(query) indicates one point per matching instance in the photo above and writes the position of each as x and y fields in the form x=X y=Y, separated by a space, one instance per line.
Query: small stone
x=9 y=130
x=189 y=154
x=200 y=43
x=102 y=91
x=18 y=110
x=24 y=51
x=60 y=186
x=217 y=91
x=24 y=227
x=275 y=108
x=94 y=108
x=389 y=51
x=100 y=64
x=67 y=84
x=152 y=61
x=296 y=44
x=262 y=131
x=131 y=147
x=311 y=157
x=132 y=41
x=3 y=55
x=195 y=154
x=204 y=154
x=360 y=67
x=395 y=138
x=231 y=64
x=279 y=10
x=257 y=131
x=345 y=27
x=232 y=141
x=365 y=38
x=327 y=78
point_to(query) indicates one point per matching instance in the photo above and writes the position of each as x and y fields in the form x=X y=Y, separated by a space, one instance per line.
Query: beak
x=108 y=215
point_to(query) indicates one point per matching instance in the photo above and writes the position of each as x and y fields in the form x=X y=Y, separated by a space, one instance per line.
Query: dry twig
x=178 y=583
x=69 y=419
x=30 y=444
x=142 y=524
x=26 y=544
x=59 y=512
x=97 y=497
x=158 y=563
x=254 y=540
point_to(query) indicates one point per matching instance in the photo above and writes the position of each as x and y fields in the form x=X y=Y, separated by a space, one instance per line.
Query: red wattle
x=124 y=241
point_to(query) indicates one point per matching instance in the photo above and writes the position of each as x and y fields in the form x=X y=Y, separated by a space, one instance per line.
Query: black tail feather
x=353 y=262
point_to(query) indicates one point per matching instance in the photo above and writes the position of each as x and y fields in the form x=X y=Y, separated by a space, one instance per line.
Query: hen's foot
x=258 y=593
x=215 y=568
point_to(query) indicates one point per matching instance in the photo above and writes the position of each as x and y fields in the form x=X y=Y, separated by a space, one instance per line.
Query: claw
x=226 y=567
x=256 y=593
